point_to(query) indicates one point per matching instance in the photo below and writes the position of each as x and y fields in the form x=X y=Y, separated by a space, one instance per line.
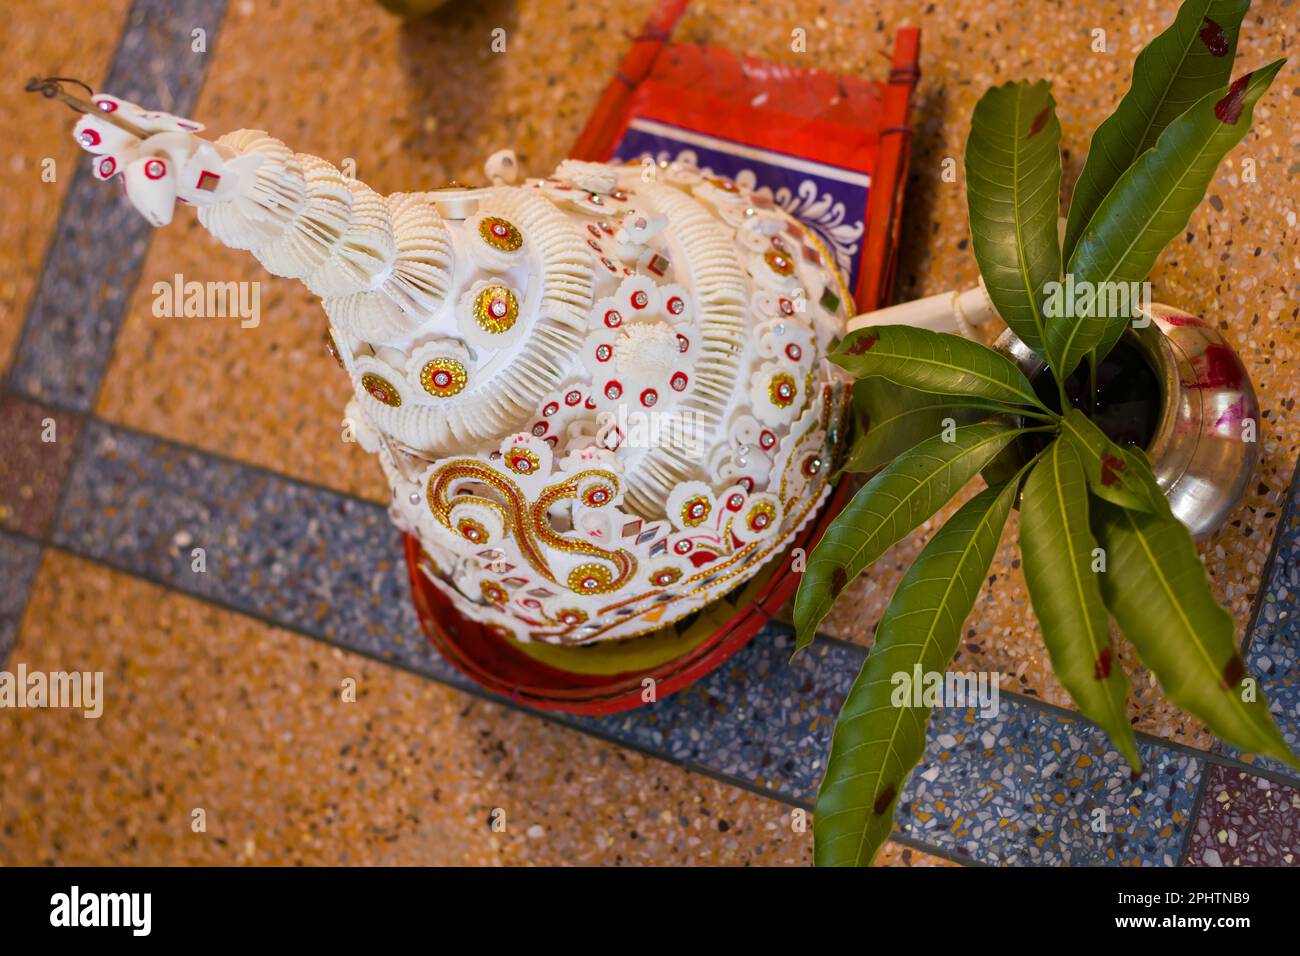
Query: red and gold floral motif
x=443 y=377
x=381 y=390
x=496 y=309
x=500 y=233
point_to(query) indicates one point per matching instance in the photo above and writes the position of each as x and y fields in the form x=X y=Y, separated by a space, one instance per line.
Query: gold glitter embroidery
x=761 y=516
x=597 y=496
x=443 y=377
x=695 y=511
x=781 y=390
x=381 y=390
x=661 y=579
x=500 y=234
x=530 y=519
x=779 y=262
x=496 y=309
x=521 y=461
x=591 y=579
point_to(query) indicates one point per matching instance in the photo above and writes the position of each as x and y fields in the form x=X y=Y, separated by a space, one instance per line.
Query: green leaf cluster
x=1098 y=540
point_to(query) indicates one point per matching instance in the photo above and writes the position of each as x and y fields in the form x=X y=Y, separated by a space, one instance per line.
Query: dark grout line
x=221 y=457
x=1202 y=786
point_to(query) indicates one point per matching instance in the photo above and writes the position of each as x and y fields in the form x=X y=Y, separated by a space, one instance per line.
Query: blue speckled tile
x=1273 y=646
x=1036 y=787
x=299 y=556
x=330 y=566
x=1042 y=772
x=19 y=559
x=100 y=240
x=760 y=717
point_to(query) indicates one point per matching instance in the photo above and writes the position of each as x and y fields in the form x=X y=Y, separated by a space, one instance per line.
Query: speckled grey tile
x=1036 y=787
x=1273 y=645
x=100 y=240
x=19 y=559
x=1246 y=820
x=1028 y=786
x=299 y=556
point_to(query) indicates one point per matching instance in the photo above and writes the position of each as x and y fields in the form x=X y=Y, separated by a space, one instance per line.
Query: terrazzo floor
x=179 y=434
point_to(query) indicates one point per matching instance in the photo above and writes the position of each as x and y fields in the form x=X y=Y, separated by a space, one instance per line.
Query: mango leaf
x=1120 y=475
x=1056 y=547
x=1013 y=187
x=915 y=486
x=892 y=419
x=1191 y=58
x=1156 y=588
x=933 y=362
x=1149 y=205
x=880 y=734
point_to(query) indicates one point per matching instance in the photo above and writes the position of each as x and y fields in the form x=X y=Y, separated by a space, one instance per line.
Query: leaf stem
x=1060 y=391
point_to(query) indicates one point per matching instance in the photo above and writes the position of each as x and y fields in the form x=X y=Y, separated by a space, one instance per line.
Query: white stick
x=946 y=312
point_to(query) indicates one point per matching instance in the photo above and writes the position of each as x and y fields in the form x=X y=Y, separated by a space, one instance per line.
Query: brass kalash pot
x=1204 y=428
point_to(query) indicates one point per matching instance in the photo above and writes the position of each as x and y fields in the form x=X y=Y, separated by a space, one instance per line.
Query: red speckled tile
x=1246 y=820
x=38 y=443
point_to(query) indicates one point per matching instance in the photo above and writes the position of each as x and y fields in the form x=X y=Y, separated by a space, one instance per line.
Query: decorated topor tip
x=601 y=402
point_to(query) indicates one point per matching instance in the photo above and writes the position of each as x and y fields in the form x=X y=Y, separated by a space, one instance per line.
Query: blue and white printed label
x=827 y=199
